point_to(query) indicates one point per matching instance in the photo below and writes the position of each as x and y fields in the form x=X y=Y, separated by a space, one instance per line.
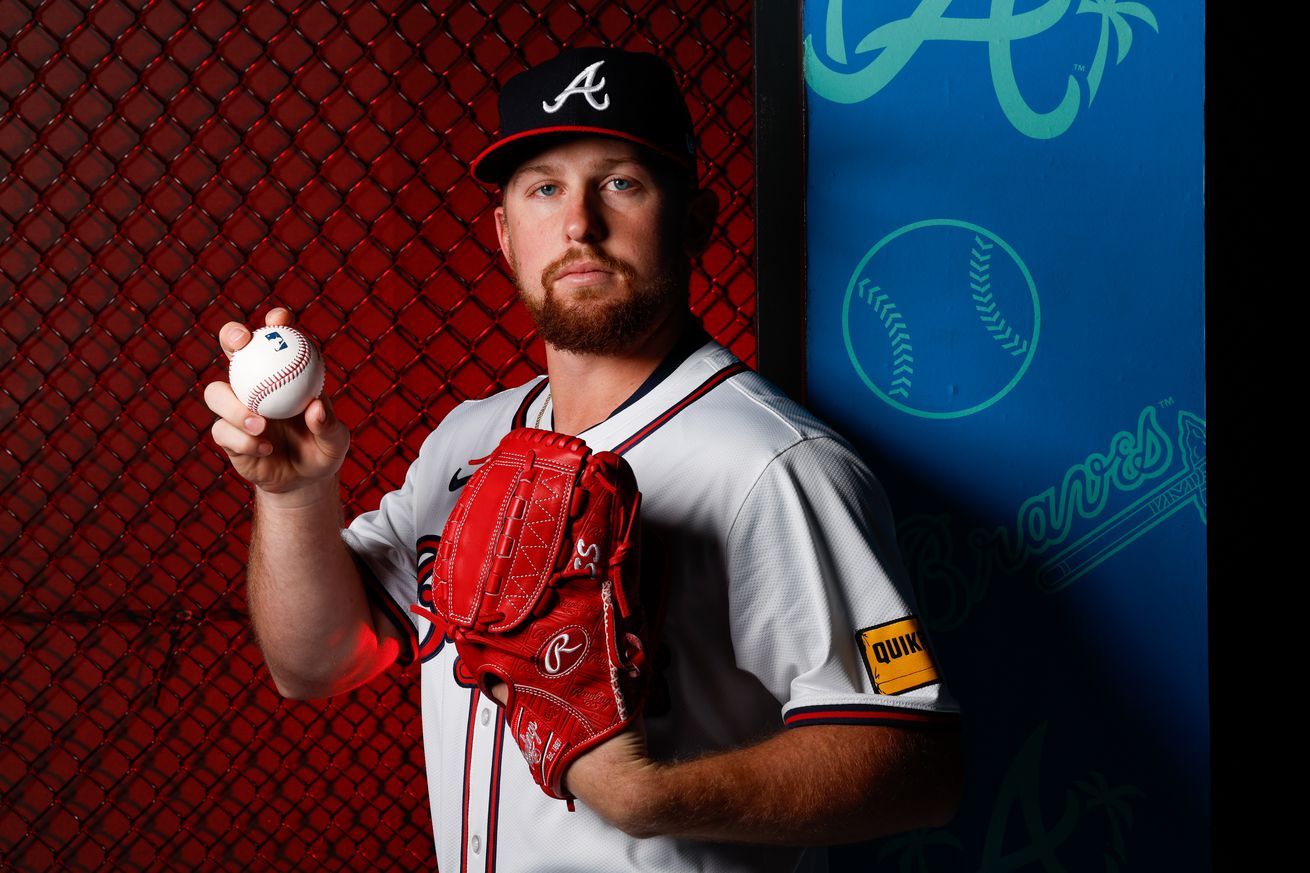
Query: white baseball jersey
x=788 y=607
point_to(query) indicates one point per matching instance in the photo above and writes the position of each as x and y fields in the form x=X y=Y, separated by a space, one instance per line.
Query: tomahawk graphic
x=1185 y=487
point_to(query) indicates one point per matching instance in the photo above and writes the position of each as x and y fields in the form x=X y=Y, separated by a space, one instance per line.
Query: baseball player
x=799 y=703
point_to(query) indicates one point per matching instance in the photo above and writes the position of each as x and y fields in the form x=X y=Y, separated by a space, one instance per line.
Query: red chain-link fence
x=165 y=167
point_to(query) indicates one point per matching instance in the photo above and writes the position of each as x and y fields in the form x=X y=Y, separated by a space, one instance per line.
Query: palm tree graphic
x=913 y=849
x=1115 y=802
x=1116 y=13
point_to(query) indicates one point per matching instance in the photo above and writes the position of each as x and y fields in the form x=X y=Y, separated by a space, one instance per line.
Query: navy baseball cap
x=600 y=91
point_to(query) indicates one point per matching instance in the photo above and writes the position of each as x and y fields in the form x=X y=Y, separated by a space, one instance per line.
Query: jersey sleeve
x=384 y=543
x=821 y=609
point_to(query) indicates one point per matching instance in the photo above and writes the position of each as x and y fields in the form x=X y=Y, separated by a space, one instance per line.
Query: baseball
x=277 y=373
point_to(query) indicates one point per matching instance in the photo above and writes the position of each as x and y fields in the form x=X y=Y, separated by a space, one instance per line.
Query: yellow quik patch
x=896 y=656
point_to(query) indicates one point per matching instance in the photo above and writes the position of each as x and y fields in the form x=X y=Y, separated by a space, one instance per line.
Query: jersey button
x=476 y=843
x=486 y=715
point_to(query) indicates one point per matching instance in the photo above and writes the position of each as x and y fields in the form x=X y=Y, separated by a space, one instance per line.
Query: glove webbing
x=454 y=630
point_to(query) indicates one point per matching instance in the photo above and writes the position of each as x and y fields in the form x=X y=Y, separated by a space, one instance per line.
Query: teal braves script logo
x=892 y=45
x=941 y=318
x=1135 y=458
x=1174 y=467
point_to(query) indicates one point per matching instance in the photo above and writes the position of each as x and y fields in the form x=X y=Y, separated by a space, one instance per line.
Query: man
x=792 y=716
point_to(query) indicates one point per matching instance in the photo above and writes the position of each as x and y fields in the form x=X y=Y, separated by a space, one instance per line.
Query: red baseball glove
x=536 y=581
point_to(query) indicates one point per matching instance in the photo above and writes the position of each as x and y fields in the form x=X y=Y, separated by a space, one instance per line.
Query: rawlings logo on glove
x=536 y=582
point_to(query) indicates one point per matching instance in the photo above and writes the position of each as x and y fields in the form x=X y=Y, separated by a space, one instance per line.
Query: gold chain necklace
x=542 y=412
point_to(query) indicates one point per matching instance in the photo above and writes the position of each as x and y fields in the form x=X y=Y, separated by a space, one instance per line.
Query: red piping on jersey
x=871 y=715
x=493 y=805
x=700 y=391
x=468 y=763
x=521 y=416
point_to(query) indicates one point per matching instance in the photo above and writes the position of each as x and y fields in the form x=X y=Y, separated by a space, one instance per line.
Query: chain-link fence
x=167 y=166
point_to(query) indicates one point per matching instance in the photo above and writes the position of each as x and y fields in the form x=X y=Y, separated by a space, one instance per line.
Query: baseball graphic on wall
x=941 y=318
x=277 y=373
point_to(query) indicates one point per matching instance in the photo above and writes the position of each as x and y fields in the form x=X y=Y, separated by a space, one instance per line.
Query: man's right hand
x=275 y=456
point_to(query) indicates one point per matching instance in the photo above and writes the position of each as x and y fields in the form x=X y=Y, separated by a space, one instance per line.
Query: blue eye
x=547 y=190
x=621 y=184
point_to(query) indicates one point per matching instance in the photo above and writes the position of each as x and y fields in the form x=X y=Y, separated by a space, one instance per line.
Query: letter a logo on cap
x=583 y=83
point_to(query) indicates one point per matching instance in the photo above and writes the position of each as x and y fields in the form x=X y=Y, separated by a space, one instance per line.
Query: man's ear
x=702 y=212
x=502 y=231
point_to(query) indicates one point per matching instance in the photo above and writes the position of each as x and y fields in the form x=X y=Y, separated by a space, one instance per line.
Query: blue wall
x=1005 y=313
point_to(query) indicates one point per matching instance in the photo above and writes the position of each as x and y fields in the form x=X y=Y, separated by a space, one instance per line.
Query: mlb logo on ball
x=277 y=373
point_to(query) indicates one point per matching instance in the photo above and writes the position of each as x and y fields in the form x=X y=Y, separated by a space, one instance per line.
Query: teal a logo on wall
x=886 y=49
x=941 y=318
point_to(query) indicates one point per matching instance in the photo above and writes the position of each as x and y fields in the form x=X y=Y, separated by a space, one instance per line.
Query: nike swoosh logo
x=457 y=481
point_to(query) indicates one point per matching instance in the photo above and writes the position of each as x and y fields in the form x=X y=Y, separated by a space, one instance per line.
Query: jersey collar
x=692 y=339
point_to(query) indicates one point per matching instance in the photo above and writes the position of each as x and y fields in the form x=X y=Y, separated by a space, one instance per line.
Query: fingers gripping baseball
x=274 y=455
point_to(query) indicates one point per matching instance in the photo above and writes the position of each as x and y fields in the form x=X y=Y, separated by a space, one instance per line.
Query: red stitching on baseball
x=282 y=377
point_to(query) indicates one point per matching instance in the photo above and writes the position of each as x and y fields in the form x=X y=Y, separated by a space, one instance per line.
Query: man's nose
x=583 y=221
